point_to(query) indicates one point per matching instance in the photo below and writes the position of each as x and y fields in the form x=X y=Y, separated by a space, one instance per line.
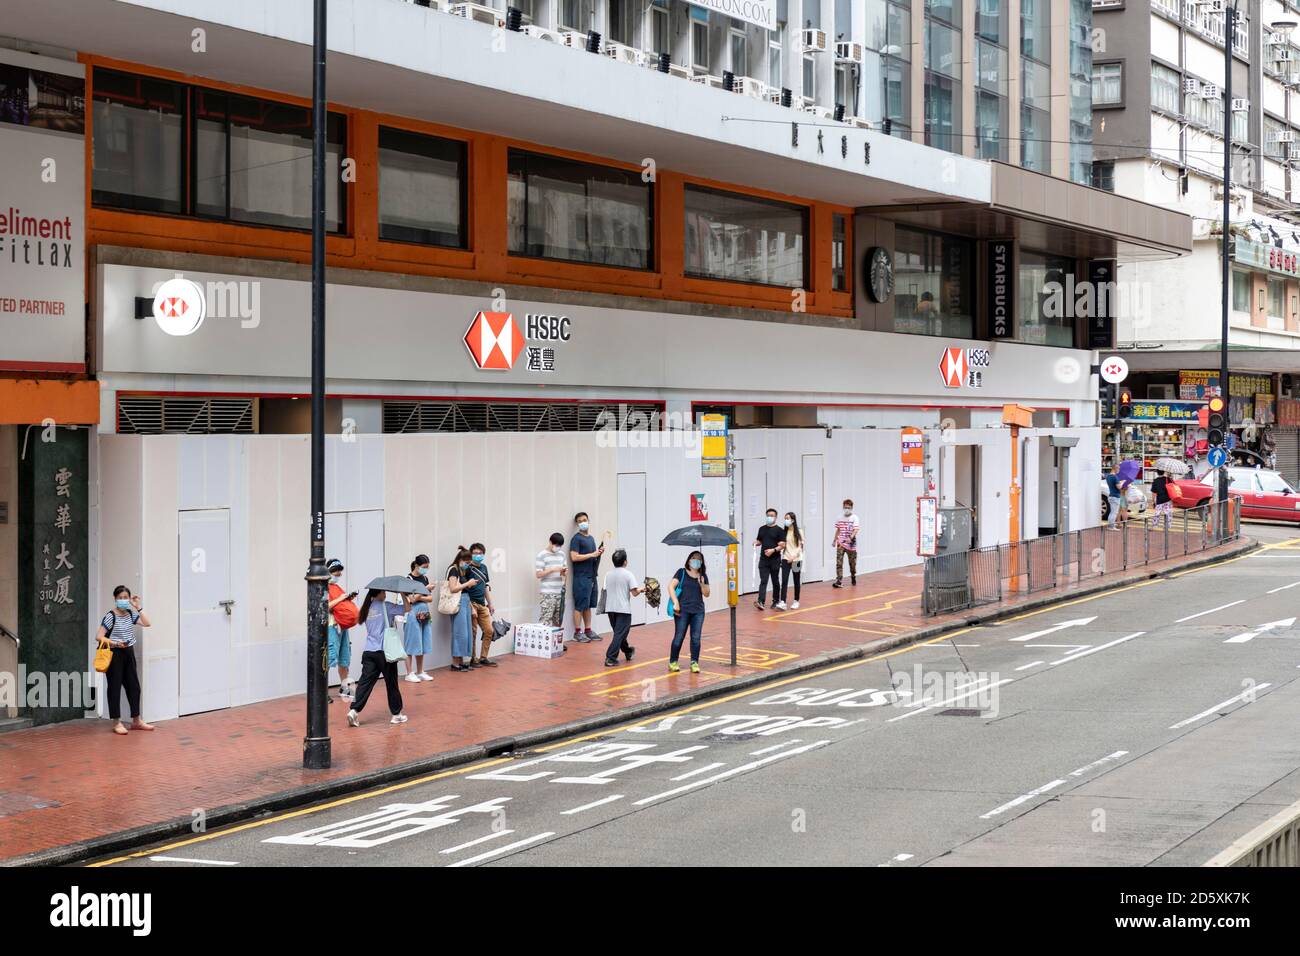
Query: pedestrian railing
x=964 y=579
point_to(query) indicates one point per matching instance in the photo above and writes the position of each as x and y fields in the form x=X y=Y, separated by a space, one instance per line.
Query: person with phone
x=693 y=579
x=119 y=628
x=480 y=604
x=417 y=635
x=342 y=615
x=585 y=556
x=552 y=573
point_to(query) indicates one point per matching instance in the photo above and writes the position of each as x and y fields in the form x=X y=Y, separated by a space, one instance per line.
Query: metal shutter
x=170 y=415
x=402 y=417
x=1287 y=447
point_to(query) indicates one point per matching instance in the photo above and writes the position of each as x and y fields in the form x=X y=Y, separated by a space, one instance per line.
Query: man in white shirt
x=846 y=544
x=620 y=588
x=552 y=571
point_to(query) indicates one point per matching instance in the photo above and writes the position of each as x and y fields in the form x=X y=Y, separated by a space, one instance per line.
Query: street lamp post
x=1229 y=28
x=316 y=744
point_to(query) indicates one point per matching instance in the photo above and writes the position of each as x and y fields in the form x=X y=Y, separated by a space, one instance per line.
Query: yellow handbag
x=103 y=656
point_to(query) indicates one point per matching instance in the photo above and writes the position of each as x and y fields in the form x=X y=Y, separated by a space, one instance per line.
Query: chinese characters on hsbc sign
x=964 y=367
x=761 y=13
x=497 y=340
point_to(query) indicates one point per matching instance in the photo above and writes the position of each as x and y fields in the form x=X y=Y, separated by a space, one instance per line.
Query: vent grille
x=159 y=415
x=406 y=417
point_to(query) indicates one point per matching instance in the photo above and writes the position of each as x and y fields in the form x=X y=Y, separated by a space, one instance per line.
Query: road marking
x=1023 y=798
x=768 y=750
x=972 y=688
x=1097 y=763
x=482 y=839
x=1284 y=587
x=887 y=606
x=698 y=770
x=752 y=765
x=607 y=672
x=499 y=850
x=897 y=858
x=641 y=683
x=595 y=803
x=1072 y=647
x=1080 y=622
x=1221 y=607
x=817 y=607
x=182 y=859
x=1094 y=650
x=1262 y=629
x=1217 y=707
x=1025 y=667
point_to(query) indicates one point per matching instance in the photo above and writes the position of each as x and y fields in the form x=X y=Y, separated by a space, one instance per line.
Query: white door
x=205 y=610
x=632 y=533
x=752 y=517
x=357 y=539
x=812 y=518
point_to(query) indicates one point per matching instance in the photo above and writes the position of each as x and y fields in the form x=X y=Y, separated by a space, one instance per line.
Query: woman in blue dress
x=417 y=635
x=460 y=581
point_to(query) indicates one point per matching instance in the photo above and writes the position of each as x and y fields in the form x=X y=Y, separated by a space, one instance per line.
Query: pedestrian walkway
x=76 y=782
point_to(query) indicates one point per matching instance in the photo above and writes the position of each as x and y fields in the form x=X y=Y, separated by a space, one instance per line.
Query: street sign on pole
x=927 y=526
x=1114 y=370
x=1217 y=456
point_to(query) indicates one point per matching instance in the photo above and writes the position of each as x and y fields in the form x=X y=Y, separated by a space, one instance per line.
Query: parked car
x=1135 y=497
x=1264 y=494
x=1189 y=492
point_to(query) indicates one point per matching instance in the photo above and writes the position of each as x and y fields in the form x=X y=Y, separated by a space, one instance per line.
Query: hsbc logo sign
x=180 y=305
x=963 y=367
x=497 y=340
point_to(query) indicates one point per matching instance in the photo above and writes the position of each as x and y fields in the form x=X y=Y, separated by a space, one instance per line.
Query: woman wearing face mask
x=791 y=561
x=694 y=582
x=460 y=581
x=119 y=628
x=417 y=636
x=376 y=616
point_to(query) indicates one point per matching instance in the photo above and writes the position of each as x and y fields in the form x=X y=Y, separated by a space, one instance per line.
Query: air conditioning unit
x=572 y=38
x=859 y=122
x=813 y=41
x=748 y=86
x=1285 y=136
x=541 y=33
x=479 y=13
x=825 y=112
x=1191 y=85
x=623 y=53
x=846 y=52
x=1210 y=91
x=1240 y=104
x=1292 y=78
x=679 y=70
x=707 y=79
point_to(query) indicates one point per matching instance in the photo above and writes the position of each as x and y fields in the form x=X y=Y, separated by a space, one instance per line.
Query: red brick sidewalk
x=77 y=781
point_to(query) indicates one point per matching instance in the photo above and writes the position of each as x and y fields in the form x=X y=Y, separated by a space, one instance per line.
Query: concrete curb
x=301 y=796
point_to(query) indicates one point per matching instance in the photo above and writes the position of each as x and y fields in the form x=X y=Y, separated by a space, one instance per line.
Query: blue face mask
x=478 y=558
x=771 y=519
x=787 y=522
x=695 y=564
x=583 y=526
x=424 y=570
x=464 y=566
x=122 y=604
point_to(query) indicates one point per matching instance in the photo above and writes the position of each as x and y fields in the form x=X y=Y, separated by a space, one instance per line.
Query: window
x=1276 y=298
x=774 y=79
x=846 y=88
x=660 y=30
x=739 y=53
x=1240 y=291
x=1035 y=29
x=949 y=10
x=745 y=239
x=988 y=20
x=252 y=161
x=839 y=252
x=572 y=15
x=942 y=97
x=618 y=24
x=1044 y=318
x=1103 y=176
x=809 y=78
x=943 y=49
x=1273 y=483
x=1164 y=88
x=989 y=123
x=1242 y=480
x=563 y=209
x=1035 y=145
x=422 y=189
x=932 y=284
x=1274 y=148
x=139 y=142
x=1107 y=88
x=700 y=46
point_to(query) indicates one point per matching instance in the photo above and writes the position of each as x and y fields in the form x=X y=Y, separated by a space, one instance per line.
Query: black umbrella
x=399 y=583
x=700 y=536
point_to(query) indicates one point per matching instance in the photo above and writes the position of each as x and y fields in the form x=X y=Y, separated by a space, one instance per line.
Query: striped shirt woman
x=119 y=629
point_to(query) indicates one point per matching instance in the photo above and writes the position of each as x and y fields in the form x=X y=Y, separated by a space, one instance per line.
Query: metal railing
x=964 y=579
x=1275 y=842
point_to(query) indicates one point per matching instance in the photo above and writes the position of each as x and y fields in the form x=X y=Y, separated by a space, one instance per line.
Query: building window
x=739 y=53
x=990 y=119
x=1240 y=291
x=618 y=22
x=700 y=45
x=1274 y=147
x=572 y=15
x=1035 y=139
x=252 y=161
x=1035 y=29
x=942 y=98
x=1107 y=88
x=932 y=284
x=947 y=10
x=1103 y=176
x=745 y=239
x=1164 y=88
x=422 y=188
x=988 y=21
x=774 y=79
x=564 y=209
x=661 y=30
x=1276 y=298
x=839 y=252
x=809 y=78
x=139 y=143
x=1045 y=318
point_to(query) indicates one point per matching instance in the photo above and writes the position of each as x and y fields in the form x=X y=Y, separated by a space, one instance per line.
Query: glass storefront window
x=138 y=128
x=564 y=209
x=1241 y=291
x=422 y=188
x=932 y=284
x=1043 y=315
x=744 y=239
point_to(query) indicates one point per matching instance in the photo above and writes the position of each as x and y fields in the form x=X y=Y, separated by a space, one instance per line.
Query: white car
x=1135 y=495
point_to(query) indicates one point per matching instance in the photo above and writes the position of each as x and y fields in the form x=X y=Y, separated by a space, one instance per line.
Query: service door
x=632 y=534
x=206 y=604
x=753 y=510
x=357 y=539
x=812 y=519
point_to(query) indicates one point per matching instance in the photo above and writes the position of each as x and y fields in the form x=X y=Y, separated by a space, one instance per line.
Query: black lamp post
x=1229 y=28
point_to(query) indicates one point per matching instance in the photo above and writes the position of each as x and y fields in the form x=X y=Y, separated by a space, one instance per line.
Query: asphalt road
x=1151 y=725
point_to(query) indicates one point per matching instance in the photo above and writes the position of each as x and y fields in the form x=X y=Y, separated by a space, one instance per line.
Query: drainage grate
x=961 y=712
x=722 y=738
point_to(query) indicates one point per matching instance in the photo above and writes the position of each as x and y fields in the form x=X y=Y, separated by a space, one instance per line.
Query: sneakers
x=794 y=606
x=593 y=636
x=674 y=667
x=779 y=606
x=354 y=720
x=609 y=663
x=459 y=667
x=695 y=667
x=398 y=719
x=411 y=679
x=838 y=584
x=581 y=638
x=629 y=650
x=760 y=606
x=424 y=675
x=348 y=691
x=487 y=662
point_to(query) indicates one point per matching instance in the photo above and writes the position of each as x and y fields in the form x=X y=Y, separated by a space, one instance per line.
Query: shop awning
x=34 y=401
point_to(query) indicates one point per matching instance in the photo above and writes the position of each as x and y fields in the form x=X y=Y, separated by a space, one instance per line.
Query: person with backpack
x=118 y=629
x=417 y=635
x=693 y=580
x=377 y=615
x=342 y=615
x=1164 y=500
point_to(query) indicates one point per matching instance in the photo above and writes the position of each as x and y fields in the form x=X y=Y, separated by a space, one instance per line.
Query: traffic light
x=1125 y=404
x=1217 y=421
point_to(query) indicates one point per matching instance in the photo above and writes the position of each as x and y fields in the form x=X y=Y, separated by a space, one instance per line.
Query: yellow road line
x=610 y=671
x=817 y=607
x=887 y=606
x=641 y=683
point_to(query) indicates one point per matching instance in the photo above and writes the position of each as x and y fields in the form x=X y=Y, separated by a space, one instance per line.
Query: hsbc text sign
x=963 y=367
x=497 y=340
x=761 y=13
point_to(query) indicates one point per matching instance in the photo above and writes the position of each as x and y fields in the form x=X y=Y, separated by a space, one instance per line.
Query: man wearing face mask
x=846 y=544
x=586 y=560
x=770 y=542
x=480 y=604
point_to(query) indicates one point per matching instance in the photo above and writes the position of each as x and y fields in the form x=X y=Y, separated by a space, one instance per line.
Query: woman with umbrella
x=693 y=582
x=376 y=616
x=1162 y=490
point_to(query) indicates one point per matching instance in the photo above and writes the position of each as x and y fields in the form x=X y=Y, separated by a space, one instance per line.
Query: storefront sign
x=1114 y=369
x=42 y=213
x=1101 y=323
x=927 y=526
x=713 y=446
x=1264 y=409
x=699 y=509
x=912 y=453
x=496 y=342
x=1165 y=411
x=761 y=13
x=1266 y=258
x=1197 y=385
x=999 y=286
x=1288 y=412
x=963 y=367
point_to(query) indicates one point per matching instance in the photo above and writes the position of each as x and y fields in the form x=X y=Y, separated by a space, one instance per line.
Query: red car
x=1189 y=493
x=1264 y=494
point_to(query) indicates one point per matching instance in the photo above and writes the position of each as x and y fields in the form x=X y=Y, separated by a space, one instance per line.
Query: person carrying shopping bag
x=118 y=631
